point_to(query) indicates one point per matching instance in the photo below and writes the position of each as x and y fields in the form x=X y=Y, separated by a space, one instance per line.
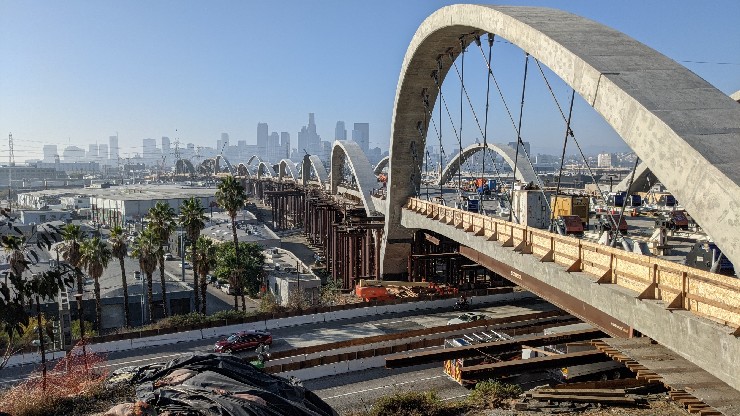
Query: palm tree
x=70 y=251
x=146 y=247
x=204 y=258
x=94 y=258
x=162 y=223
x=192 y=219
x=231 y=197
x=119 y=250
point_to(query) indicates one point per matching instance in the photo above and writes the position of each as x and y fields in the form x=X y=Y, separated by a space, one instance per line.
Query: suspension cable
x=485 y=123
x=459 y=137
x=518 y=129
x=562 y=160
x=439 y=91
x=575 y=140
x=437 y=82
x=624 y=203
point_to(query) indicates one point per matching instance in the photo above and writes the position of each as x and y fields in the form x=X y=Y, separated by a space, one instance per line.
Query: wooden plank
x=586 y=399
x=424 y=357
x=538 y=363
x=584 y=392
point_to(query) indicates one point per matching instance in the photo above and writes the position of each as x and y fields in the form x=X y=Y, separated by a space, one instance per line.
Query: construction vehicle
x=604 y=223
x=673 y=220
x=571 y=224
x=566 y=205
x=372 y=293
x=707 y=256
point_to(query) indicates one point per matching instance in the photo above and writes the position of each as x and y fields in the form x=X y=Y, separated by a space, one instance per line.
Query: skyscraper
x=340 y=131
x=361 y=135
x=113 y=147
x=526 y=147
x=285 y=145
x=103 y=154
x=50 y=153
x=308 y=140
x=166 y=150
x=262 y=137
x=92 y=152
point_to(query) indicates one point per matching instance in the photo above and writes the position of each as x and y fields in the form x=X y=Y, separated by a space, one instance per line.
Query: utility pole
x=11 y=164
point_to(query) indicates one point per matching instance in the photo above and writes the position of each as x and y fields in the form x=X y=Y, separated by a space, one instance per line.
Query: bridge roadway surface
x=301 y=336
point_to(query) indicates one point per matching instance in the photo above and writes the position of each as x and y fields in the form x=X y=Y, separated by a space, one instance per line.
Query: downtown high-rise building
x=262 y=139
x=103 y=154
x=285 y=144
x=308 y=140
x=361 y=135
x=51 y=153
x=113 y=149
x=340 y=131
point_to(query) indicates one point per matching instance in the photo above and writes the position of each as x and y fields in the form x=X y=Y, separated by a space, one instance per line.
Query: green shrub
x=414 y=403
x=89 y=331
x=493 y=394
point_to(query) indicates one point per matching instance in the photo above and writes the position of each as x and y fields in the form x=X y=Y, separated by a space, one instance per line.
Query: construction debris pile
x=585 y=395
x=214 y=384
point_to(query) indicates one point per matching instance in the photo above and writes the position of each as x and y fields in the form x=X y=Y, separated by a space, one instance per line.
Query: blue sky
x=75 y=72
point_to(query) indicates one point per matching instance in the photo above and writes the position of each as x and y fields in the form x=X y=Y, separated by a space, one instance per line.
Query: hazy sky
x=76 y=72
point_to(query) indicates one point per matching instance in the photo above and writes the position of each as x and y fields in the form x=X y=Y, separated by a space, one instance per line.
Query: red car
x=242 y=341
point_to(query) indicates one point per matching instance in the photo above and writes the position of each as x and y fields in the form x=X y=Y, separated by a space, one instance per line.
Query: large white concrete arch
x=289 y=169
x=524 y=171
x=685 y=130
x=228 y=164
x=350 y=152
x=381 y=165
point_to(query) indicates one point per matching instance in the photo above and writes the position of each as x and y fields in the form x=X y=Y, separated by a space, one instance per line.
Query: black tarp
x=223 y=385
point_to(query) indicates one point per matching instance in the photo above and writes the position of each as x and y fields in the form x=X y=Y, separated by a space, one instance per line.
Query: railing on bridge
x=707 y=294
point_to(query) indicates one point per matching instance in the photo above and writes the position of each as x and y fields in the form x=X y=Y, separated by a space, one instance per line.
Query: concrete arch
x=253 y=158
x=242 y=170
x=313 y=162
x=524 y=171
x=381 y=165
x=228 y=164
x=289 y=169
x=350 y=152
x=684 y=128
x=264 y=170
x=184 y=166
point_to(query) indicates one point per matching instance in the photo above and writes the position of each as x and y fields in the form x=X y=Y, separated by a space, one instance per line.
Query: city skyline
x=80 y=74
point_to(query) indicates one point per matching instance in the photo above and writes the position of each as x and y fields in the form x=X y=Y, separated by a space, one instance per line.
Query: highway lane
x=299 y=336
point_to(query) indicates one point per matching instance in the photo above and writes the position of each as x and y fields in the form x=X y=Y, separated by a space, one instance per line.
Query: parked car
x=467 y=317
x=242 y=341
x=187 y=266
x=169 y=256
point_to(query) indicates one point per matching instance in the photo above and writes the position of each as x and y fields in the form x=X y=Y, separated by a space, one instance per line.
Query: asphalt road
x=313 y=334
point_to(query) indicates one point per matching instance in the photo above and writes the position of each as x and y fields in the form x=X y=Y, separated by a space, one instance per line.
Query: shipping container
x=530 y=209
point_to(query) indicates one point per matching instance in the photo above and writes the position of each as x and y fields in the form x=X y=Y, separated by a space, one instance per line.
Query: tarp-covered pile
x=217 y=384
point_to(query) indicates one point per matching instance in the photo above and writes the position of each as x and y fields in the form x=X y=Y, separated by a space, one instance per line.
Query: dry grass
x=76 y=376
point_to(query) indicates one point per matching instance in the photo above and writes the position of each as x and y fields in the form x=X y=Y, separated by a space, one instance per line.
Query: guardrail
x=710 y=295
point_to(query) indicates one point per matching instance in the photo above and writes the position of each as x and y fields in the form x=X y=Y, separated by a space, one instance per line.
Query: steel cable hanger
x=470 y=103
x=511 y=118
x=562 y=161
x=572 y=135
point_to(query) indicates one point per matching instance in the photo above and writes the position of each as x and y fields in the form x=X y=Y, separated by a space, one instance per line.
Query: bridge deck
x=680 y=374
x=692 y=312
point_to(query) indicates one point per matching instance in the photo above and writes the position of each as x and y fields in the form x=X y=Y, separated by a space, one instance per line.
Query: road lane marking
x=383 y=387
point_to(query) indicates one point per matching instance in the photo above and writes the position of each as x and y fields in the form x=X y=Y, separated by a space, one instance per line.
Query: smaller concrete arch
x=254 y=158
x=314 y=162
x=242 y=170
x=351 y=153
x=228 y=164
x=381 y=165
x=183 y=166
x=289 y=169
x=264 y=170
x=524 y=171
